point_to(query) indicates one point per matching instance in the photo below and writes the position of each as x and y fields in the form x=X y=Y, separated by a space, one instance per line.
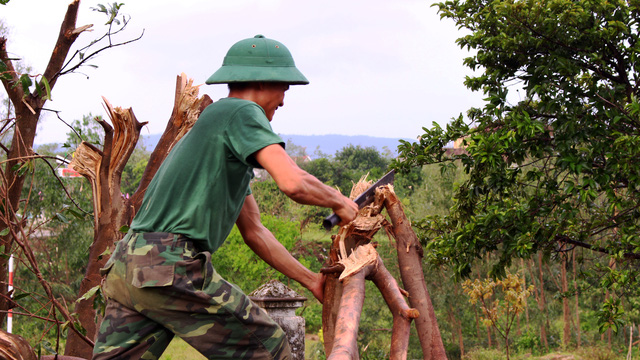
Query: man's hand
x=269 y=249
x=317 y=287
x=347 y=211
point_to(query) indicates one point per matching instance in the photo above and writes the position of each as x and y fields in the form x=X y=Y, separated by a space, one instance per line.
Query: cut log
x=364 y=263
x=410 y=260
x=15 y=347
x=358 y=232
x=402 y=314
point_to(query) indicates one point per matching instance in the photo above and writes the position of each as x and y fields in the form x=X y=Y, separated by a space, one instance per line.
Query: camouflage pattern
x=158 y=285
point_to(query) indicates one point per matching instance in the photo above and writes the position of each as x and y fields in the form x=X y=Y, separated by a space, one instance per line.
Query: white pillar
x=10 y=313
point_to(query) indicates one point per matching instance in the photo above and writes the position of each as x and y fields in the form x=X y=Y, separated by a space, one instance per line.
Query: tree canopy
x=552 y=156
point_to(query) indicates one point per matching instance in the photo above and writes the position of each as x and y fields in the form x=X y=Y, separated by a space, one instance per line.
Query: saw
x=362 y=200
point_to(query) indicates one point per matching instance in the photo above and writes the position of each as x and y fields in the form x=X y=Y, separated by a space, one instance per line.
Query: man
x=160 y=280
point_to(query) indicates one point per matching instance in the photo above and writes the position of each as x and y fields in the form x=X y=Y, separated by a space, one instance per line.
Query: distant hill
x=326 y=144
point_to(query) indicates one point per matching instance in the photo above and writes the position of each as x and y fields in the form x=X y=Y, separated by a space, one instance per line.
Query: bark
x=575 y=284
x=566 y=313
x=332 y=300
x=366 y=263
x=104 y=169
x=349 y=237
x=345 y=344
x=402 y=314
x=542 y=307
x=410 y=262
x=14 y=347
x=27 y=110
x=333 y=291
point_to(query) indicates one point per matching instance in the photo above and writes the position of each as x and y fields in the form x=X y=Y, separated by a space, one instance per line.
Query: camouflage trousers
x=158 y=285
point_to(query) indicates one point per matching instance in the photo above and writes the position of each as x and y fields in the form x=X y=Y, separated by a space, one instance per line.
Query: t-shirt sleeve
x=248 y=132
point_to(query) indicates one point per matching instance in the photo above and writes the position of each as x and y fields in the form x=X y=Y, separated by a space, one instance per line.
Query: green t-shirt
x=201 y=186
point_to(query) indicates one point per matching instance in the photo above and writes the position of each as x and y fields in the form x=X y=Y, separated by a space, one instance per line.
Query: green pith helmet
x=258 y=59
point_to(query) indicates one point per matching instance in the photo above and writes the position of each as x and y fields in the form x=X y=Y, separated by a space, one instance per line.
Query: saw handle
x=330 y=221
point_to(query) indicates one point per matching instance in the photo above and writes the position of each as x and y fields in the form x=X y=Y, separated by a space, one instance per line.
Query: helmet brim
x=235 y=74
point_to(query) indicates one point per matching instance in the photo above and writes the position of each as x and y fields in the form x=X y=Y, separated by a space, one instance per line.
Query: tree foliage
x=499 y=314
x=348 y=165
x=552 y=157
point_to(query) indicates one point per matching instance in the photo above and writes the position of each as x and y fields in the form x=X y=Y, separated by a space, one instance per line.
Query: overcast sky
x=377 y=67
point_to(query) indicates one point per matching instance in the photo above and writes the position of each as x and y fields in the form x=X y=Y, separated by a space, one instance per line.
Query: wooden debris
x=343 y=301
x=361 y=257
x=15 y=347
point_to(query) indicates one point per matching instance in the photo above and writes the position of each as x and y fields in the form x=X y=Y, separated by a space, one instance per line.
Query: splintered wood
x=362 y=256
x=366 y=224
x=353 y=254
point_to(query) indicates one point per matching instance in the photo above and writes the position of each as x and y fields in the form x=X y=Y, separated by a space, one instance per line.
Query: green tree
x=555 y=165
x=499 y=314
x=88 y=129
x=348 y=165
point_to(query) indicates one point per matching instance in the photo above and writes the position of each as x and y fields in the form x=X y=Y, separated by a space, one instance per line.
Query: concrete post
x=281 y=303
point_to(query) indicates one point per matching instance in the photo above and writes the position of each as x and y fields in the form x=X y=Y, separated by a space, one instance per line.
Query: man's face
x=273 y=97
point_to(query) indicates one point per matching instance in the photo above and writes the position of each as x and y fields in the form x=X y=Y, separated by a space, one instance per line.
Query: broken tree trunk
x=410 y=261
x=356 y=233
x=351 y=249
x=104 y=169
x=14 y=347
x=364 y=263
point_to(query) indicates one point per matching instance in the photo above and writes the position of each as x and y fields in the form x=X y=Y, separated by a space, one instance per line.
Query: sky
x=376 y=67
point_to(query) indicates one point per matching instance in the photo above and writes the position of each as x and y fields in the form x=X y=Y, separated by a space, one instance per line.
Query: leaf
x=80 y=328
x=89 y=294
x=47 y=87
x=124 y=229
x=4 y=71
x=77 y=214
x=47 y=346
x=24 y=167
x=21 y=296
x=5 y=232
x=25 y=81
x=62 y=218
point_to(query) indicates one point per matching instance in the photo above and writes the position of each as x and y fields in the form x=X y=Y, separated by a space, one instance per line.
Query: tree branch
x=67 y=36
x=566 y=239
x=9 y=77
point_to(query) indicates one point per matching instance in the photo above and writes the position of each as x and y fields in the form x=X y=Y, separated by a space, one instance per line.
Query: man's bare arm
x=269 y=249
x=301 y=186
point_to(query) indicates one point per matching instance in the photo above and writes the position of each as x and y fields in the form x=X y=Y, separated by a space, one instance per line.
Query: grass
x=179 y=349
